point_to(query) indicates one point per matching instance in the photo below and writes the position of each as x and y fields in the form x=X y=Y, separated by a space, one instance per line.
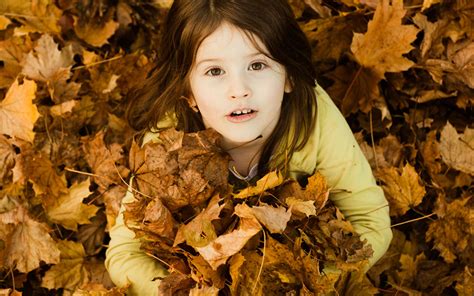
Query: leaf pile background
x=401 y=73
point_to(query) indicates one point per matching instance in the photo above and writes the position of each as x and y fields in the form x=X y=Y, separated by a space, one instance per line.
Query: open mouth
x=242 y=112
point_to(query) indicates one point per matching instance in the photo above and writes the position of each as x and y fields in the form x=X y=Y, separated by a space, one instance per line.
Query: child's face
x=238 y=90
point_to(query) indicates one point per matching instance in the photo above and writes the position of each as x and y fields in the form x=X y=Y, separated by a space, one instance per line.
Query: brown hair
x=187 y=24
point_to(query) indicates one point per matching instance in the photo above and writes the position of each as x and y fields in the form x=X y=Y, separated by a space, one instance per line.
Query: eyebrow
x=217 y=59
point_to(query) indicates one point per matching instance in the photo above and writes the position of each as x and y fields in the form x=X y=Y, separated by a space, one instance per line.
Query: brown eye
x=257 y=66
x=214 y=72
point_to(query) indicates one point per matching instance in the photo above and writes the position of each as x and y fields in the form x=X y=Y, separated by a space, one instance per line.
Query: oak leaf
x=457 y=151
x=27 y=242
x=70 y=272
x=269 y=181
x=403 y=190
x=386 y=40
x=69 y=211
x=18 y=114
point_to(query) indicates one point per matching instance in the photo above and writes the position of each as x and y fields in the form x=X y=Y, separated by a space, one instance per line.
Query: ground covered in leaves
x=402 y=72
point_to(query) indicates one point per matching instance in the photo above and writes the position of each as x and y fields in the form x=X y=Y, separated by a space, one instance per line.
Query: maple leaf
x=192 y=231
x=41 y=16
x=457 y=151
x=92 y=235
x=386 y=40
x=70 y=272
x=103 y=160
x=69 y=211
x=94 y=34
x=12 y=52
x=298 y=206
x=451 y=233
x=18 y=114
x=218 y=251
x=403 y=191
x=269 y=181
x=158 y=219
x=27 y=242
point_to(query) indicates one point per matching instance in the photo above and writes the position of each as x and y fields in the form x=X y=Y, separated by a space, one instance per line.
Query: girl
x=243 y=68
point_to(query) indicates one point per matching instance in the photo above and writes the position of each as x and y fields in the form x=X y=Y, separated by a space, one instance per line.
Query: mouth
x=241 y=115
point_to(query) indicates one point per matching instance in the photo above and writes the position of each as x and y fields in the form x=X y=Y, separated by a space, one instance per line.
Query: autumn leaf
x=27 y=242
x=204 y=291
x=298 y=206
x=7 y=158
x=18 y=114
x=269 y=181
x=192 y=231
x=94 y=34
x=158 y=219
x=403 y=190
x=386 y=40
x=273 y=218
x=69 y=211
x=70 y=272
x=456 y=150
x=452 y=232
x=218 y=251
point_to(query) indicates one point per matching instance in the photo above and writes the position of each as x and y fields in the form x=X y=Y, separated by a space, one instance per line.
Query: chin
x=242 y=139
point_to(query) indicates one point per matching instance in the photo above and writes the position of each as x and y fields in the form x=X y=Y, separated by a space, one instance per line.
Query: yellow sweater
x=332 y=150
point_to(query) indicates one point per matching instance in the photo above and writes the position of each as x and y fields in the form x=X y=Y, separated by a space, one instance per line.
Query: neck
x=244 y=156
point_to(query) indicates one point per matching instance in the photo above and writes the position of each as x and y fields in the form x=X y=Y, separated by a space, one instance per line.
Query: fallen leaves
x=18 y=114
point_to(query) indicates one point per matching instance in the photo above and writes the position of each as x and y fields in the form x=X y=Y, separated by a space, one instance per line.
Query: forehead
x=229 y=39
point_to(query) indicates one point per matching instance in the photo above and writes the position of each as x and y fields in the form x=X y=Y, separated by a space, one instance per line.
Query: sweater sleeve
x=127 y=263
x=350 y=177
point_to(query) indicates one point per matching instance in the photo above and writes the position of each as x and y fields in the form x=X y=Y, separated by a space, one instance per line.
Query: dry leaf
x=94 y=34
x=298 y=206
x=7 y=158
x=273 y=218
x=403 y=190
x=204 y=291
x=457 y=151
x=18 y=114
x=69 y=211
x=28 y=242
x=70 y=272
x=386 y=40
x=269 y=181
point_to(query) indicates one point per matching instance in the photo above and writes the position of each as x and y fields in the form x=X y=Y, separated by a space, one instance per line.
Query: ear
x=288 y=85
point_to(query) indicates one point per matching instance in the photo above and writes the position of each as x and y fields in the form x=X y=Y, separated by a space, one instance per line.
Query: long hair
x=187 y=24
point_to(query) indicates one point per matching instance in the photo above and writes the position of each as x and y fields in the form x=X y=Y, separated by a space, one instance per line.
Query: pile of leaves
x=268 y=239
x=400 y=71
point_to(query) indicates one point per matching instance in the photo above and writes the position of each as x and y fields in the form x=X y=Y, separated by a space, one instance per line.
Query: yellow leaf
x=386 y=40
x=70 y=272
x=403 y=191
x=269 y=181
x=96 y=36
x=18 y=114
x=69 y=209
x=4 y=22
x=427 y=3
x=301 y=206
x=274 y=219
x=457 y=151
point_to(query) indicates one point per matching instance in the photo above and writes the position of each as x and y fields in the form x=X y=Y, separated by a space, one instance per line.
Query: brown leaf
x=94 y=289
x=18 y=114
x=452 y=231
x=69 y=211
x=193 y=231
x=457 y=151
x=218 y=251
x=7 y=159
x=94 y=34
x=12 y=52
x=204 y=291
x=175 y=284
x=380 y=49
x=158 y=220
x=273 y=218
x=269 y=181
x=27 y=241
x=465 y=286
x=403 y=190
x=70 y=272
x=92 y=235
x=104 y=160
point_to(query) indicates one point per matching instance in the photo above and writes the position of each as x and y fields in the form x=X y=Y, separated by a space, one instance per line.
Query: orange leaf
x=18 y=114
x=386 y=40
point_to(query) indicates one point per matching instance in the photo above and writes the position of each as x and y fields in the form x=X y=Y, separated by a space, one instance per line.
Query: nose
x=239 y=87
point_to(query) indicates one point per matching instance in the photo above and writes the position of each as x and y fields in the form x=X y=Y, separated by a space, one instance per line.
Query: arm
x=347 y=171
x=127 y=263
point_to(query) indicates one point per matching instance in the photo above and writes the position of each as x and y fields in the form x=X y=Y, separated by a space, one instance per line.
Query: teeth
x=239 y=112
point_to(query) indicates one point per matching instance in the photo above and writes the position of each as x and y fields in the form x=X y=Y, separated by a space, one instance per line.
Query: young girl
x=243 y=68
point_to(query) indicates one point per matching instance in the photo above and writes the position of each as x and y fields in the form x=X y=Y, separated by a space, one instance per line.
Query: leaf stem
x=263 y=260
